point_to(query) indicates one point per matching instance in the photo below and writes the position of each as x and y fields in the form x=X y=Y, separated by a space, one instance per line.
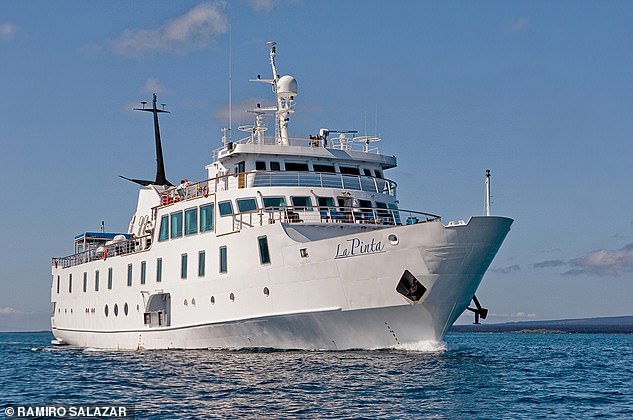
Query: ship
x=288 y=243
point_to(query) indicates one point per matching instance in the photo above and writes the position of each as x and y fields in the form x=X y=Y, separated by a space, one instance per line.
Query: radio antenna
x=230 y=82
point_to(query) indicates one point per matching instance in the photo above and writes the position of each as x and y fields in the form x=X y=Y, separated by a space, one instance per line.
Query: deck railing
x=321 y=214
x=365 y=144
x=112 y=249
x=255 y=179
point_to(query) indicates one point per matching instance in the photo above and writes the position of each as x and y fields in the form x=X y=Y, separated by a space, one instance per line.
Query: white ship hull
x=325 y=300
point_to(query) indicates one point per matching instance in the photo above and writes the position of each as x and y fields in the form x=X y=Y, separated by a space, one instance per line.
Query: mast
x=285 y=89
x=161 y=179
x=487 y=195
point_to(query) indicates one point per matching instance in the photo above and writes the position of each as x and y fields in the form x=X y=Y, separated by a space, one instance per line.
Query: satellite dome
x=287 y=86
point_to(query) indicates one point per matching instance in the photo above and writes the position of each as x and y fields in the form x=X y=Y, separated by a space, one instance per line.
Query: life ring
x=55 y=262
x=205 y=190
x=105 y=254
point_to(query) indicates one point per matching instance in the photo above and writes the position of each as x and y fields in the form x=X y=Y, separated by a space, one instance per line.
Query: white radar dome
x=287 y=86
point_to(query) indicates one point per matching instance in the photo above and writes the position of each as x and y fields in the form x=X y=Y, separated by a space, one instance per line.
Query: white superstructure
x=288 y=243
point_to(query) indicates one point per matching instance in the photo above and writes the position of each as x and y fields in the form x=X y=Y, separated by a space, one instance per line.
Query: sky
x=539 y=92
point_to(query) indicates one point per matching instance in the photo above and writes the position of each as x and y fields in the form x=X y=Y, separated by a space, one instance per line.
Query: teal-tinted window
x=226 y=208
x=159 y=270
x=191 y=221
x=302 y=203
x=264 y=254
x=223 y=260
x=201 y=263
x=129 y=274
x=183 y=266
x=97 y=281
x=246 y=204
x=206 y=218
x=85 y=282
x=176 y=225
x=274 y=203
x=110 y=278
x=164 y=228
x=143 y=271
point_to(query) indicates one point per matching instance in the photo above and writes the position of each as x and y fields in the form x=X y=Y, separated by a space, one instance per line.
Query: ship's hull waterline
x=357 y=307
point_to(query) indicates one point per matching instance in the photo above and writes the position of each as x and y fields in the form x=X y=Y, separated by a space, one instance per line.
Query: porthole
x=232 y=297
x=185 y=303
x=138 y=308
x=193 y=302
x=125 y=309
x=71 y=311
x=59 y=310
x=266 y=291
x=212 y=300
x=393 y=239
x=65 y=310
x=116 y=310
x=106 y=310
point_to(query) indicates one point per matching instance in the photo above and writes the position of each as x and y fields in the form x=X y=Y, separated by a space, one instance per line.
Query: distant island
x=606 y=325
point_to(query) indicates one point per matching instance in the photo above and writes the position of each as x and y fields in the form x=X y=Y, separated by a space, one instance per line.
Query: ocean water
x=471 y=375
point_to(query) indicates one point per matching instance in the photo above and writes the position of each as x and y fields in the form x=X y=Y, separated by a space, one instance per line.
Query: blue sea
x=472 y=375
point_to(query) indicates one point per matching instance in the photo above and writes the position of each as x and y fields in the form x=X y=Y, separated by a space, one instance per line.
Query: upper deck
x=360 y=149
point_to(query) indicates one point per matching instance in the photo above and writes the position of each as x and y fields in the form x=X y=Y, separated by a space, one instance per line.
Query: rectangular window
x=349 y=170
x=294 y=166
x=176 y=225
x=206 y=218
x=143 y=271
x=324 y=168
x=260 y=165
x=302 y=203
x=378 y=173
x=246 y=204
x=110 y=278
x=57 y=284
x=183 y=266
x=191 y=221
x=274 y=166
x=223 y=260
x=226 y=208
x=164 y=228
x=264 y=255
x=274 y=203
x=70 y=283
x=129 y=274
x=159 y=270
x=96 y=280
x=201 y=263
x=366 y=172
x=85 y=282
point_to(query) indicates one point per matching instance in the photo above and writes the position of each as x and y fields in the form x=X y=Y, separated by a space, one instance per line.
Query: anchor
x=479 y=311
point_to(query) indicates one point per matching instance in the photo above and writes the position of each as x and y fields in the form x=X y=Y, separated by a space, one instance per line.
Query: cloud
x=221 y=115
x=8 y=30
x=506 y=270
x=194 y=30
x=549 y=264
x=516 y=25
x=604 y=262
x=154 y=85
x=9 y=311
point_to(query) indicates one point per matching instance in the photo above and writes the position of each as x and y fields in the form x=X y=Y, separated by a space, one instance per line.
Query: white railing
x=358 y=144
x=316 y=214
x=127 y=246
x=256 y=179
